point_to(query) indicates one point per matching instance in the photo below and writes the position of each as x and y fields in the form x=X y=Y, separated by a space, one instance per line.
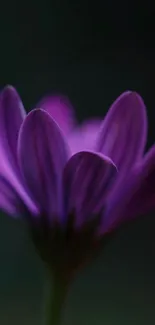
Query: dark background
x=92 y=52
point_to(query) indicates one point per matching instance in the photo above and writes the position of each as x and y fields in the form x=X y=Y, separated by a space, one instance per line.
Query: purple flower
x=63 y=178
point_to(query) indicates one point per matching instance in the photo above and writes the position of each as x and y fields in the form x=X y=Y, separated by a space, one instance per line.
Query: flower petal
x=10 y=201
x=87 y=180
x=143 y=193
x=61 y=110
x=11 y=117
x=84 y=137
x=123 y=134
x=43 y=154
x=15 y=200
x=136 y=196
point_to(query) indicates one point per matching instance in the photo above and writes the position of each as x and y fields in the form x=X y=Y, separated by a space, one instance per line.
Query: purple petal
x=87 y=180
x=11 y=116
x=43 y=154
x=13 y=201
x=123 y=134
x=136 y=196
x=9 y=201
x=61 y=110
x=143 y=193
x=84 y=137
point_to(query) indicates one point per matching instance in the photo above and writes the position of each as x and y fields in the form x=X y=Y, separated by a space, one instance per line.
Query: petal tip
x=9 y=89
x=61 y=110
x=38 y=113
x=133 y=95
x=9 y=94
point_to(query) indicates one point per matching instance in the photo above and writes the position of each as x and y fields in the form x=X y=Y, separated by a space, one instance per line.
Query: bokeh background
x=91 y=52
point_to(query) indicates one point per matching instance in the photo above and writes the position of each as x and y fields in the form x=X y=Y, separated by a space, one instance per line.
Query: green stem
x=56 y=300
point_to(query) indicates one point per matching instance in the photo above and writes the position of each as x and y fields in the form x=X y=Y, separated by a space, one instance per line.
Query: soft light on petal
x=123 y=134
x=61 y=110
x=84 y=136
x=136 y=196
x=87 y=179
x=10 y=201
x=11 y=117
x=143 y=194
x=12 y=114
x=43 y=154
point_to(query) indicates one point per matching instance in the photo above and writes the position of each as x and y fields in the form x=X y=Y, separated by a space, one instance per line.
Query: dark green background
x=91 y=52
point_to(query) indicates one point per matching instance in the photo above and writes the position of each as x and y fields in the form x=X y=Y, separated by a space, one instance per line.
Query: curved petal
x=11 y=117
x=87 y=179
x=136 y=196
x=15 y=200
x=123 y=134
x=43 y=154
x=10 y=200
x=143 y=187
x=61 y=110
x=84 y=137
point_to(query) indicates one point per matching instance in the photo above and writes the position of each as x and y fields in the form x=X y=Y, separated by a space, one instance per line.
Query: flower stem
x=56 y=300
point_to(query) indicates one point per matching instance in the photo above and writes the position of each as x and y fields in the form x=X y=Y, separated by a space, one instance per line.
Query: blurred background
x=91 y=52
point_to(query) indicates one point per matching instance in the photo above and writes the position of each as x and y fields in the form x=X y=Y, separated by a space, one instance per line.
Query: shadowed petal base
x=66 y=250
